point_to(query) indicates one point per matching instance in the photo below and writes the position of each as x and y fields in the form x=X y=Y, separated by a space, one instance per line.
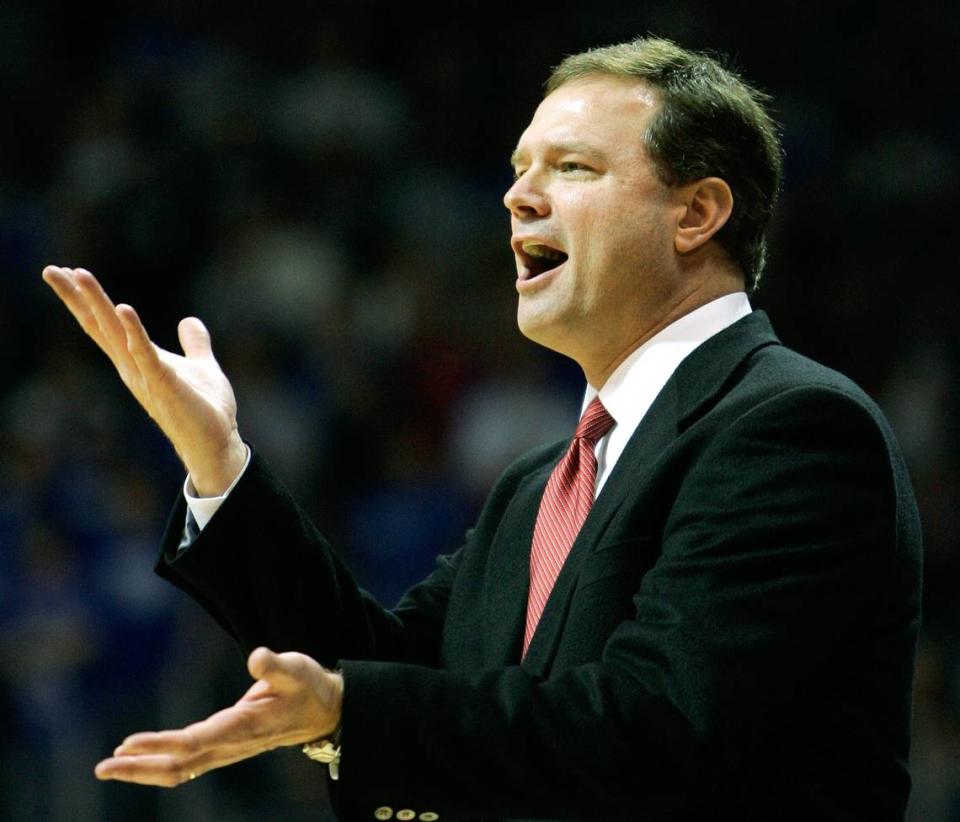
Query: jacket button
x=383 y=812
x=406 y=815
x=428 y=816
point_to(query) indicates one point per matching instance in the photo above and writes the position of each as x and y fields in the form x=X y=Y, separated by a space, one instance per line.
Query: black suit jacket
x=731 y=637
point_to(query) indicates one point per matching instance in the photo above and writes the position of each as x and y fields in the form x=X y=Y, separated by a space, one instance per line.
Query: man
x=706 y=605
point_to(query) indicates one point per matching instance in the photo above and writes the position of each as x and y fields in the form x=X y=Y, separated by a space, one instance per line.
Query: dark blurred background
x=321 y=183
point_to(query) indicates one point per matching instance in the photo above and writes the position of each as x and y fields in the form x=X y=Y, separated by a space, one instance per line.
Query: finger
x=180 y=743
x=102 y=308
x=194 y=338
x=112 y=337
x=223 y=738
x=61 y=280
x=139 y=344
x=226 y=728
x=277 y=669
x=229 y=734
x=161 y=770
x=262 y=662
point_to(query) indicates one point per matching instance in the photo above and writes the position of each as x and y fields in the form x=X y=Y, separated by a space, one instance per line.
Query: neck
x=597 y=370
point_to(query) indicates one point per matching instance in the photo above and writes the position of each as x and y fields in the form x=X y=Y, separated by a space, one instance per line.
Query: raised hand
x=293 y=701
x=188 y=396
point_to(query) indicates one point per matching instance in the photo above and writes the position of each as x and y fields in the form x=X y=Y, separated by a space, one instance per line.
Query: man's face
x=592 y=224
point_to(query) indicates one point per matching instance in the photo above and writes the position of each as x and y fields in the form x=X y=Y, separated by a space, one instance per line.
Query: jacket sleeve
x=268 y=577
x=791 y=543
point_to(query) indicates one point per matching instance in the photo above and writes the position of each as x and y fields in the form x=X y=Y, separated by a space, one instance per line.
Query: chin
x=542 y=329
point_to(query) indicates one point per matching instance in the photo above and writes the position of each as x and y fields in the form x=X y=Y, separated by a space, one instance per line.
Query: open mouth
x=538 y=259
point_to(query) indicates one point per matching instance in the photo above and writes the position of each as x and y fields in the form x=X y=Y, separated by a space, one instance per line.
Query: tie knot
x=595 y=422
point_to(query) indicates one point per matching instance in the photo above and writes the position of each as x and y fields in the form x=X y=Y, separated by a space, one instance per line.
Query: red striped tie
x=566 y=502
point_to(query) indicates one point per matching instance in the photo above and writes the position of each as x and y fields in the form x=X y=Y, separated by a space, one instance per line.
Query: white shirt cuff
x=203 y=508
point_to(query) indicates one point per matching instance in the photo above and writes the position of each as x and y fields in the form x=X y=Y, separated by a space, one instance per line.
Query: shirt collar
x=631 y=389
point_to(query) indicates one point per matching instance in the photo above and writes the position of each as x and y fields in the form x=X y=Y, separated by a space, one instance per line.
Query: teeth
x=543 y=252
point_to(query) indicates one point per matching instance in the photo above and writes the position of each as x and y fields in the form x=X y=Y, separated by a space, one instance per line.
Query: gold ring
x=193 y=775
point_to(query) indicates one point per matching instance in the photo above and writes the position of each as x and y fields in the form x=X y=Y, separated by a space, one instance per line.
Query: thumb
x=263 y=662
x=281 y=670
x=194 y=338
x=277 y=669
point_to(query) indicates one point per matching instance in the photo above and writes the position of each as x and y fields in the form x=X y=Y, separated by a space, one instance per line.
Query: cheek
x=641 y=241
x=595 y=237
x=607 y=239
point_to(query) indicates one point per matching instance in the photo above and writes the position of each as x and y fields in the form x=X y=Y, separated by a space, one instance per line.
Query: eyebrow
x=568 y=147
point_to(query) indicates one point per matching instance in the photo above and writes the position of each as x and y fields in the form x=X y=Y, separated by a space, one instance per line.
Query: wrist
x=336 y=707
x=326 y=748
x=215 y=477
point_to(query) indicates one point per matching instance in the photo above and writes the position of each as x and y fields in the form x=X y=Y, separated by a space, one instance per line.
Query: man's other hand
x=293 y=701
x=188 y=396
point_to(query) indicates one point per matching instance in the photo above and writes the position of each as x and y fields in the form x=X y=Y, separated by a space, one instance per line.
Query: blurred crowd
x=322 y=187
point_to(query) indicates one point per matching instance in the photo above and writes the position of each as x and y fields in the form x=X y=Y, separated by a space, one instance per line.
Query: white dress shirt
x=627 y=394
x=631 y=389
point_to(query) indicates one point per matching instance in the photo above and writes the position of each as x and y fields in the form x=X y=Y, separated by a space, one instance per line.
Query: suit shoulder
x=780 y=372
x=781 y=389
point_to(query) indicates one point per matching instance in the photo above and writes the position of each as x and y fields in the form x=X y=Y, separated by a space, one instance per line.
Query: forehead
x=604 y=112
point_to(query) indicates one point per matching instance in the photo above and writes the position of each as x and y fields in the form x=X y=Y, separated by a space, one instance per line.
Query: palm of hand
x=187 y=395
x=293 y=701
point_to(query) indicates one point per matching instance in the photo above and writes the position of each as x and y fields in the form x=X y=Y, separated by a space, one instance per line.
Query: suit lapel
x=508 y=577
x=695 y=385
x=704 y=376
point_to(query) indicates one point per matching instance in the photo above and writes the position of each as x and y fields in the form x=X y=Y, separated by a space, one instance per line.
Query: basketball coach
x=702 y=606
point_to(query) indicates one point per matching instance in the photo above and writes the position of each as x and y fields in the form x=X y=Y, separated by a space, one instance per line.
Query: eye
x=517 y=173
x=571 y=166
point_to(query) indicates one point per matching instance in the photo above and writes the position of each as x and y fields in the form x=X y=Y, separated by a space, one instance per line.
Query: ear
x=708 y=205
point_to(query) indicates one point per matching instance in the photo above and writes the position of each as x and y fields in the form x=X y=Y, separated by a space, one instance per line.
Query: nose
x=525 y=199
